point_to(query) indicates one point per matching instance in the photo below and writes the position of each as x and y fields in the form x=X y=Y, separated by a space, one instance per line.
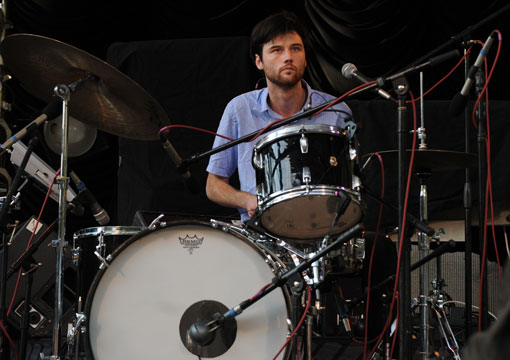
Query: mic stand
x=482 y=179
x=468 y=238
x=5 y=257
x=404 y=294
x=218 y=319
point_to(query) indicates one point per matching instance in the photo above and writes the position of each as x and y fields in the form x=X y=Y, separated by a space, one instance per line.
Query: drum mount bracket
x=350 y=129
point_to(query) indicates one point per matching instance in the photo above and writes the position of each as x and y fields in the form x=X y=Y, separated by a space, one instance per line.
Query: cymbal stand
x=423 y=241
x=64 y=93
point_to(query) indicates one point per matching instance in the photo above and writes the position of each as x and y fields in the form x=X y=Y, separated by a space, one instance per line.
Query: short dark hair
x=272 y=26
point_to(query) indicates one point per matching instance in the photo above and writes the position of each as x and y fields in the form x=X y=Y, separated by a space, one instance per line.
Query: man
x=278 y=50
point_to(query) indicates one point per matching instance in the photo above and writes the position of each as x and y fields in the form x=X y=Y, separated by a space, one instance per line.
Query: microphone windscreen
x=53 y=109
x=458 y=104
x=348 y=70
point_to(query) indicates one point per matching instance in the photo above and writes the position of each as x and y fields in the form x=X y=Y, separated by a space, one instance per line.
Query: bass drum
x=160 y=282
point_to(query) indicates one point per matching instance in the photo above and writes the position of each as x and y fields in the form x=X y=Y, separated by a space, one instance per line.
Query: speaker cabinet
x=42 y=300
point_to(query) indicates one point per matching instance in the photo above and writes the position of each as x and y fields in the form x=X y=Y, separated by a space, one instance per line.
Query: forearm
x=221 y=192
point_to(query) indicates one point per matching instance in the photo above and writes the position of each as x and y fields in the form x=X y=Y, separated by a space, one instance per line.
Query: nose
x=288 y=55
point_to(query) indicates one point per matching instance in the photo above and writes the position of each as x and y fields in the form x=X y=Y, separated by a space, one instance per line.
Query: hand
x=252 y=204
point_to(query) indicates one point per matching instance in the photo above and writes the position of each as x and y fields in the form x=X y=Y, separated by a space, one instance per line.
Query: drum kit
x=170 y=290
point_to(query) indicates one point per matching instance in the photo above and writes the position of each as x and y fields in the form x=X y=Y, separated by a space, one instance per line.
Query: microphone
x=460 y=100
x=350 y=71
x=201 y=333
x=97 y=210
x=189 y=181
x=52 y=110
x=448 y=246
x=43 y=174
x=344 y=316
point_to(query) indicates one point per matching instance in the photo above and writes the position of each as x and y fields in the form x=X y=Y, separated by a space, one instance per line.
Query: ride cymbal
x=108 y=100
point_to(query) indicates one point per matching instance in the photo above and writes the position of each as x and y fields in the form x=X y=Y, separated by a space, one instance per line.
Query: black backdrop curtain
x=194 y=92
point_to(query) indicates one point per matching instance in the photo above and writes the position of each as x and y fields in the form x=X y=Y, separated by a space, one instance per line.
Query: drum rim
x=97 y=278
x=313 y=190
x=107 y=231
x=287 y=195
x=296 y=130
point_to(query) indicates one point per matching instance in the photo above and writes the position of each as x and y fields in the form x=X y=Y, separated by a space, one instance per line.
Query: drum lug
x=307 y=176
x=352 y=153
x=356 y=183
x=303 y=144
x=257 y=160
x=77 y=327
x=75 y=255
x=104 y=262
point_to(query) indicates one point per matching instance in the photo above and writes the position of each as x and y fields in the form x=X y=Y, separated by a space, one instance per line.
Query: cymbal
x=110 y=100
x=429 y=160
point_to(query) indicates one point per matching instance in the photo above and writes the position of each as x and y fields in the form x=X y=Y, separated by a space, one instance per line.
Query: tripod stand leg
x=309 y=325
x=25 y=317
x=446 y=332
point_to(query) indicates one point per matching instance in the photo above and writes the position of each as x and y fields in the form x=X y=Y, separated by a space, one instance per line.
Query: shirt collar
x=264 y=106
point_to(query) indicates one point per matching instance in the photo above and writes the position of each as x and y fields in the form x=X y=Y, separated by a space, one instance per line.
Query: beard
x=285 y=81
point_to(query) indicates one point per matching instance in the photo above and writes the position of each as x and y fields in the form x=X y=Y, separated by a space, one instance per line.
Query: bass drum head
x=136 y=305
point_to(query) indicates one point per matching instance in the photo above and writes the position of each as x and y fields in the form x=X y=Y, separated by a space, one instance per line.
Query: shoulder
x=247 y=101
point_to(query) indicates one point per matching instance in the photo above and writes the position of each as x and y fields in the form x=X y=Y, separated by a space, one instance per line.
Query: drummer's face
x=283 y=60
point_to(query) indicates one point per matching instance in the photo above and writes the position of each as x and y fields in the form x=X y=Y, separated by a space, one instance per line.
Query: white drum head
x=135 y=306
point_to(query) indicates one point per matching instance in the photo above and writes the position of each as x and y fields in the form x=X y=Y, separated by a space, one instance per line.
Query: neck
x=286 y=101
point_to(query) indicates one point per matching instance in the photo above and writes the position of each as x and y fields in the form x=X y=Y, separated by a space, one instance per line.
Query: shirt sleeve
x=224 y=163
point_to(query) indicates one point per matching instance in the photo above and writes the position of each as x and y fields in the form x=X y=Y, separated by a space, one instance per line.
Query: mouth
x=288 y=68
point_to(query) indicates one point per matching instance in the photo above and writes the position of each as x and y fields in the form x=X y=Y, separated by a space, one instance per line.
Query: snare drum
x=160 y=282
x=304 y=176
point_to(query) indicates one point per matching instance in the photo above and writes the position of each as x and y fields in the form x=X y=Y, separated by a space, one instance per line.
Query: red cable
x=489 y=181
x=20 y=270
x=258 y=293
x=488 y=186
x=402 y=232
x=369 y=282
x=30 y=241
x=496 y=58
x=445 y=77
x=167 y=129
x=317 y=112
x=394 y=334
x=309 y=293
x=10 y=340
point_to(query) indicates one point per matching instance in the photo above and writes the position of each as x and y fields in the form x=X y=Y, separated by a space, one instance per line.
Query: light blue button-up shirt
x=250 y=112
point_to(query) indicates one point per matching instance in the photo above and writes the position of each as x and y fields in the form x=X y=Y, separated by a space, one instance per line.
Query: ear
x=258 y=62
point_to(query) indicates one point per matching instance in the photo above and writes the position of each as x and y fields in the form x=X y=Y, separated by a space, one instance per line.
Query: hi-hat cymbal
x=110 y=101
x=428 y=160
